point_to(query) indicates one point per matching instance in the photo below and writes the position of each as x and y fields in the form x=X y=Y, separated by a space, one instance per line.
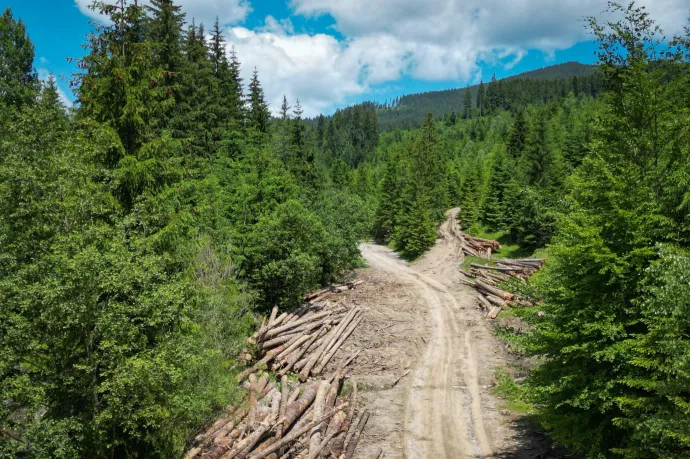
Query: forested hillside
x=534 y=87
x=144 y=231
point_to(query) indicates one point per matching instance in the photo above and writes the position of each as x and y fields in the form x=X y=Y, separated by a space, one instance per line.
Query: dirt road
x=428 y=362
x=443 y=413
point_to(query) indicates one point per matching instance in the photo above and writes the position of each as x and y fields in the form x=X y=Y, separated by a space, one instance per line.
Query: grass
x=512 y=394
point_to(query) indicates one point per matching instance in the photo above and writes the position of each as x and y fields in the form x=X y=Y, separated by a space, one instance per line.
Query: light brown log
x=276 y=331
x=244 y=447
x=319 y=408
x=299 y=406
x=192 y=453
x=219 y=424
x=348 y=318
x=313 y=358
x=274 y=314
x=297 y=343
x=350 y=448
x=292 y=436
x=350 y=433
x=494 y=300
x=484 y=302
x=492 y=268
x=494 y=290
x=314 y=453
x=494 y=312
x=339 y=343
x=282 y=339
x=497 y=276
x=294 y=359
x=261 y=384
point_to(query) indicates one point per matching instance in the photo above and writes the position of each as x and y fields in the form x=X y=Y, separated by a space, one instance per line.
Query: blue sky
x=330 y=53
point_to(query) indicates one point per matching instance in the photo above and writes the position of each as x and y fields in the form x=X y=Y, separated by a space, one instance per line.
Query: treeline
x=484 y=99
x=350 y=135
x=142 y=231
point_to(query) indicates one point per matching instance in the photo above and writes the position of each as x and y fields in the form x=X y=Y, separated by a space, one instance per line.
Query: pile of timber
x=304 y=341
x=478 y=247
x=488 y=278
x=286 y=421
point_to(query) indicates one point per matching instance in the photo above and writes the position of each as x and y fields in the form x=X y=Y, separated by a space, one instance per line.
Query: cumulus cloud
x=445 y=39
x=228 y=11
x=309 y=67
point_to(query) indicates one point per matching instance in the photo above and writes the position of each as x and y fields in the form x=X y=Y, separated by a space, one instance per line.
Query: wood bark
x=339 y=343
x=292 y=436
x=494 y=290
x=484 y=302
x=494 y=312
x=319 y=408
x=276 y=331
x=295 y=409
x=350 y=448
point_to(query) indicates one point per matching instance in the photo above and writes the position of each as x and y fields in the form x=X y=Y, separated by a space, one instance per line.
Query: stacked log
x=305 y=419
x=305 y=341
x=488 y=279
x=314 y=421
x=478 y=247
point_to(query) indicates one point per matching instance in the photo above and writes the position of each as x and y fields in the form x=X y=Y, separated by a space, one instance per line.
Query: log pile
x=308 y=421
x=300 y=419
x=304 y=341
x=487 y=279
x=478 y=247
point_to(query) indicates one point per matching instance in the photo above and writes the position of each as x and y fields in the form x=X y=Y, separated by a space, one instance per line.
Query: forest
x=145 y=231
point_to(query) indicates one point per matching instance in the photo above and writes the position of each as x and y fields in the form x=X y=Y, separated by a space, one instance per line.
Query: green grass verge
x=512 y=394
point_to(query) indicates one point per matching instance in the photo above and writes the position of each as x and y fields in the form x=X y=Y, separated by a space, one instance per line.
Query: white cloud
x=44 y=75
x=314 y=68
x=228 y=11
x=43 y=60
x=445 y=39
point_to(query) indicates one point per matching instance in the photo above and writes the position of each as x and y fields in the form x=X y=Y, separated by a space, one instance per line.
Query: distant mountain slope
x=545 y=84
x=567 y=69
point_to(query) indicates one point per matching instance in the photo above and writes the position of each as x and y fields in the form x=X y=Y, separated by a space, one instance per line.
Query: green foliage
x=18 y=80
x=140 y=233
x=612 y=341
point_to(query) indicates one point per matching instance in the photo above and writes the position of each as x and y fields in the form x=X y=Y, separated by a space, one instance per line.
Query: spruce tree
x=258 y=108
x=481 y=99
x=467 y=104
x=517 y=136
x=388 y=203
x=494 y=206
x=18 y=80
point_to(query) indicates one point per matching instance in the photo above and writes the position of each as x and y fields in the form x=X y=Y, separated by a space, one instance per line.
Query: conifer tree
x=481 y=99
x=18 y=80
x=258 y=108
x=165 y=32
x=494 y=206
x=388 y=205
x=517 y=136
x=121 y=85
x=415 y=231
x=467 y=104
x=470 y=195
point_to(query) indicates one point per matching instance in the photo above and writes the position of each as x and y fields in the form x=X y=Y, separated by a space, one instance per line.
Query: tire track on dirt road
x=443 y=410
